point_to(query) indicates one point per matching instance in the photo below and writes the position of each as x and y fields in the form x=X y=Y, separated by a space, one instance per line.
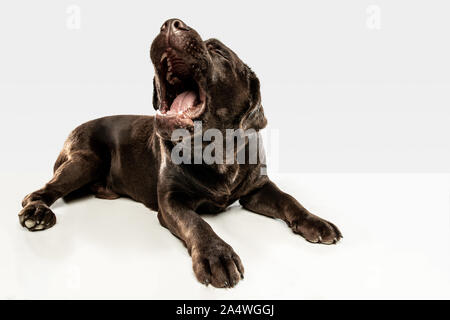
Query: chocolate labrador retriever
x=130 y=156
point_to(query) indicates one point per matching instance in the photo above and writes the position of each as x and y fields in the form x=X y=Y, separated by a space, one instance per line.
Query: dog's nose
x=174 y=25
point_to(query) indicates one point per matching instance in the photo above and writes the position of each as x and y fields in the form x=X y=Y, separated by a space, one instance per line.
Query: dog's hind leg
x=72 y=171
x=102 y=192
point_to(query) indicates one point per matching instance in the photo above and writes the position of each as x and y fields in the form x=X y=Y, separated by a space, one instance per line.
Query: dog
x=195 y=81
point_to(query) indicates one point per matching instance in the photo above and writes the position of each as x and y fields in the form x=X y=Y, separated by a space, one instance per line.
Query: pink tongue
x=183 y=101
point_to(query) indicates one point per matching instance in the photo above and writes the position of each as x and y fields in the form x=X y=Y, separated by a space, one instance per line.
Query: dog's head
x=201 y=80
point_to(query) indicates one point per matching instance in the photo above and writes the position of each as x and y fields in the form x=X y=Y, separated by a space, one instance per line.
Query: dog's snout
x=174 y=25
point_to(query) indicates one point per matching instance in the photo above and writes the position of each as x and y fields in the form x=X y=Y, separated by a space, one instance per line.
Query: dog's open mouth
x=182 y=98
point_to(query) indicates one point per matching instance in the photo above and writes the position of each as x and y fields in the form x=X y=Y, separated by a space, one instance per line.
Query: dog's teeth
x=180 y=112
x=164 y=55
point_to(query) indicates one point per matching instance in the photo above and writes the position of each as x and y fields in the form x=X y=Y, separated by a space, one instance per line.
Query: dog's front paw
x=36 y=216
x=316 y=230
x=216 y=263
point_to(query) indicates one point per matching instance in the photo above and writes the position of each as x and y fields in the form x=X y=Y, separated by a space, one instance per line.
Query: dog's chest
x=221 y=189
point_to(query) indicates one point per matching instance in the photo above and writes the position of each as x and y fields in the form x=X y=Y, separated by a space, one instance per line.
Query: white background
x=362 y=118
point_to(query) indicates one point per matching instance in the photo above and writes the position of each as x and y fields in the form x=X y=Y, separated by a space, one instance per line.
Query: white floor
x=396 y=245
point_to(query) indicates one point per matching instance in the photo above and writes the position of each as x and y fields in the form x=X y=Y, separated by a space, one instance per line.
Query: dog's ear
x=156 y=102
x=254 y=117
